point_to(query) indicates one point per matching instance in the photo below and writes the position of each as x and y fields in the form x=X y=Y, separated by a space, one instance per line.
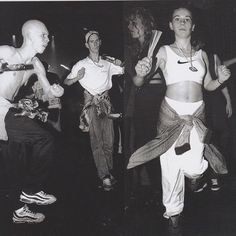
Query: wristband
x=219 y=81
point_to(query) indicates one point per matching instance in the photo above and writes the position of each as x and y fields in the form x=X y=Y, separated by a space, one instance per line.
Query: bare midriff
x=186 y=91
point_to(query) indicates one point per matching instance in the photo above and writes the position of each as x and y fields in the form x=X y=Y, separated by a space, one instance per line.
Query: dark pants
x=29 y=152
x=218 y=122
x=147 y=105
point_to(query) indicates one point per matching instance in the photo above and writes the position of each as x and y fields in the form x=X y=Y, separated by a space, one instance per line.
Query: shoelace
x=43 y=193
x=27 y=210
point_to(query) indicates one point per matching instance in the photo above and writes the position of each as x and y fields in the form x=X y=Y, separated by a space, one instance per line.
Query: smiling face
x=182 y=23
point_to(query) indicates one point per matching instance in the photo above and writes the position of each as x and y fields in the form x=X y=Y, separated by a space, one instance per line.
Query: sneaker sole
x=28 y=221
x=215 y=189
x=28 y=201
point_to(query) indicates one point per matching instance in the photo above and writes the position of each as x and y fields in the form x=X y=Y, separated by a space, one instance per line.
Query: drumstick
x=155 y=38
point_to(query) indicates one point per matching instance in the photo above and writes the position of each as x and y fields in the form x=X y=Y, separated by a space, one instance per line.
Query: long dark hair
x=148 y=22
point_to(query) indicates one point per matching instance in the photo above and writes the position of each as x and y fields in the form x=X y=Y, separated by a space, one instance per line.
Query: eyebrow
x=181 y=16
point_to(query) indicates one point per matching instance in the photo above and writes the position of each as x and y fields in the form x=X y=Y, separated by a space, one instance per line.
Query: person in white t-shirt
x=95 y=76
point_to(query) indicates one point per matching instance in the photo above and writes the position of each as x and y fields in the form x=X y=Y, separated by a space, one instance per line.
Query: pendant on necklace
x=193 y=69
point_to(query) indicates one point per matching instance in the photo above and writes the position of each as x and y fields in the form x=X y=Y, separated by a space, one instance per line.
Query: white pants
x=175 y=167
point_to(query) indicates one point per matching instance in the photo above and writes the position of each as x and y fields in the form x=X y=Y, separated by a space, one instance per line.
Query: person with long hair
x=142 y=101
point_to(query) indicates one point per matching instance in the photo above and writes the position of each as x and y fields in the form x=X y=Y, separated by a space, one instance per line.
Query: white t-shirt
x=97 y=78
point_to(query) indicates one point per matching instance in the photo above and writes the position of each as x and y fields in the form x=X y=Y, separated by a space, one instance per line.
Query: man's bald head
x=32 y=25
x=35 y=35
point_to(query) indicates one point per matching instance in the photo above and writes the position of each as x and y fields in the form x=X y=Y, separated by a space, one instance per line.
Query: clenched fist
x=143 y=67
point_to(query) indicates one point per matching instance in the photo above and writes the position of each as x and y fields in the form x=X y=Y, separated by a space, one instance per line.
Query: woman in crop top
x=186 y=73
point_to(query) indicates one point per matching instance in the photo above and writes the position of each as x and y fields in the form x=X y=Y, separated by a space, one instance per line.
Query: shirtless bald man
x=22 y=129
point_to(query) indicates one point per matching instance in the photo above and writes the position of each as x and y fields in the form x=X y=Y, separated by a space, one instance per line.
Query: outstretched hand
x=143 y=67
x=80 y=73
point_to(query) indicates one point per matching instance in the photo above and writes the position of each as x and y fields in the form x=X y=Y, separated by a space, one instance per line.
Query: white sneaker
x=24 y=215
x=40 y=198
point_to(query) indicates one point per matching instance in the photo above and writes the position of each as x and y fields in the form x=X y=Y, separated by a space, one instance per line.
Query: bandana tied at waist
x=30 y=108
x=102 y=105
x=171 y=128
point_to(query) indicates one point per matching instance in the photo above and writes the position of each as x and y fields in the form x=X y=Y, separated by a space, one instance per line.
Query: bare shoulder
x=204 y=56
x=162 y=53
x=36 y=60
x=161 y=57
x=7 y=51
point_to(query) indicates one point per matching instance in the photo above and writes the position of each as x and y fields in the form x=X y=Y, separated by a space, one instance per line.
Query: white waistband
x=184 y=108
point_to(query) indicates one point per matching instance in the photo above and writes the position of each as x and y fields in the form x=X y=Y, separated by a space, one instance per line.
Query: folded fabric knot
x=30 y=108
x=102 y=104
x=188 y=120
x=183 y=141
x=170 y=127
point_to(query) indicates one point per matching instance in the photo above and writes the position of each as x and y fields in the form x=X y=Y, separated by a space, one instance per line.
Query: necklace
x=96 y=63
x=192 y=68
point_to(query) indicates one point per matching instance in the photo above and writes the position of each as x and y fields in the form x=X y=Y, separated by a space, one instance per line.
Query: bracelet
x=219 y=81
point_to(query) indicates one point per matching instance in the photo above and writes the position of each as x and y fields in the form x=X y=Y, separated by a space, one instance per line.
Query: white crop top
x=177 y=67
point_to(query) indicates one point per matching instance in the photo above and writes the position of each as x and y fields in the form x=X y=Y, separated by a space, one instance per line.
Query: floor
x=85 y=209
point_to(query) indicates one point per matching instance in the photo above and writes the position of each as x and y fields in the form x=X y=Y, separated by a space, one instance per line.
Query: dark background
x=82 y=209
x=65 y=21
x=216 y=19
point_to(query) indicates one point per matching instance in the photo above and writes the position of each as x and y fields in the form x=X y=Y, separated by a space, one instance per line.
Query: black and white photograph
x=118 y=118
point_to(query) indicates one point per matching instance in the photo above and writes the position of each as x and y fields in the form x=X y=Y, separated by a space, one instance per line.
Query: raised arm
x=144 y=67
x=39 y=70
x=77 y=73
x=223 y=74
x=50 y=91
x=224 y=90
